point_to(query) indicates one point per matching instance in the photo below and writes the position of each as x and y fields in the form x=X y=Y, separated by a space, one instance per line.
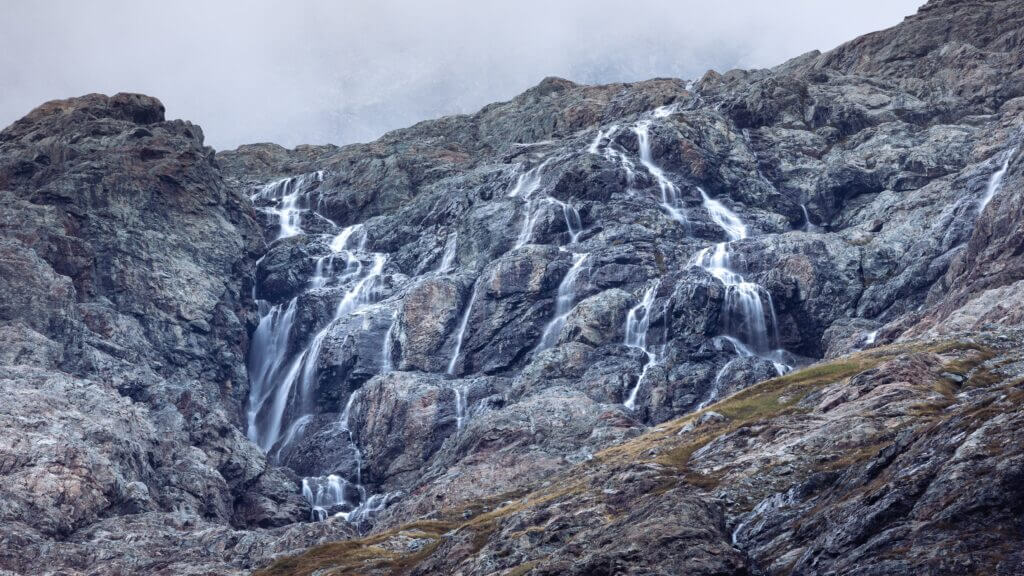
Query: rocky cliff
x=763 y=322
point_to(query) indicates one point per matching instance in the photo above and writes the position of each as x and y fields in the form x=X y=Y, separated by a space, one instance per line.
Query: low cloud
x=330 y=71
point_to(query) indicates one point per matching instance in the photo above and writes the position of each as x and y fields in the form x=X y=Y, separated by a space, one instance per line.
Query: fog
x=331 y=71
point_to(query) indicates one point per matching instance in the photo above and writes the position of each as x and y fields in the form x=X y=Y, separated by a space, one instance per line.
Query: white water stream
x=996 y=180
x=564 y=300
x=669 y=192
x=288 y=193
x=638 y=322
x=749 y=321
x=461 y=333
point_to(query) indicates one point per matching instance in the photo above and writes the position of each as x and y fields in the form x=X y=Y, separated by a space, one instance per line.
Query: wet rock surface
x=764 y=322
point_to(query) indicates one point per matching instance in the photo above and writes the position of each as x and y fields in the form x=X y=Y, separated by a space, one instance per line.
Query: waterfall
x=638 y=321
x=595 y=145
x=533 y=208
x=744 y=310
x=272 y=392
x=461 y=333
x=460 y=406
x=528 y=182
x=995 y=180
x=726 y=219
x=448 y=258
x=611 y=153
x=572 y=221
x=345 y=421
x=282 y=396
x=669 y=191
x=529 y=221
x=294 y=431
x=665 y=111
x=808 y=225
x=326 y=492
x=340 y=242
x=748 y=315
x=386 y=363
x=267 y=353
x=362 y=293
x=287 y=192
x=564 y=300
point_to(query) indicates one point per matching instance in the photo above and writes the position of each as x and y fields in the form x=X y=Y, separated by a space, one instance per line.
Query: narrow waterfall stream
x=527 y=184
x=638 y=321
x=996 y=180
x=669 y=192
x=808 y=225
x=461 y=408
x=386 y=362
x=460 y=334
x=564 y=300
x=613 y=153
x=448 y=257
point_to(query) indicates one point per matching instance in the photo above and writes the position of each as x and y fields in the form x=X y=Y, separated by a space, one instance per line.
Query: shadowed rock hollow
x=764 y=322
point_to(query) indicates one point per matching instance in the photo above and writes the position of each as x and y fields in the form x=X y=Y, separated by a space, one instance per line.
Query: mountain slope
x=764 y=322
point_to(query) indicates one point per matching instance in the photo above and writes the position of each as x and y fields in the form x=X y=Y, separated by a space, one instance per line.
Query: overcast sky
x=344 y=71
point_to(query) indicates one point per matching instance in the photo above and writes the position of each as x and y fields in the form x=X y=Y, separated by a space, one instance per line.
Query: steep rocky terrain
x=764 y=322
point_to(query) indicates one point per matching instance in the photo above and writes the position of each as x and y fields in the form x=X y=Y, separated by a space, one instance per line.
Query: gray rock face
x=125 y=262
x=490 y=325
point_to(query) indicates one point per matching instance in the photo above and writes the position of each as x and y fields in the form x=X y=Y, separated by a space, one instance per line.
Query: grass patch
x=849 y=459
x=522 y=569
x=661 y=446
x=360 y=555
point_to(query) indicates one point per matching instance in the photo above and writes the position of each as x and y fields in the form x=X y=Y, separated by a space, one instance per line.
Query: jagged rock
x=429 y=314
x=850 y=188
x=399 y=420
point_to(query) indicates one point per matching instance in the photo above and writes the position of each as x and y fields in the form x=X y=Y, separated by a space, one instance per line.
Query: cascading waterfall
x=564 y=300
x=744 y=309
x=345 y=421
x=533 y=208
x=613 y=154
x=572 y=221
x=276 y=392
x=638 y=321
x=282 y=385
x=669 y=192
x=726 y=220
x=748 y=314
x=665 y=111
x=323 y=494
x=288 y=193
x=996 y=180
x=527 y=182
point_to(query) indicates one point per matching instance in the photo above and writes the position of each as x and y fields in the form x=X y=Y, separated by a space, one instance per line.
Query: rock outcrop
x=763 y=322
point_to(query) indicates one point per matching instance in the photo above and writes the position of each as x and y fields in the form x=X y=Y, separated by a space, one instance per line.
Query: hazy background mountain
x=342 y=72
